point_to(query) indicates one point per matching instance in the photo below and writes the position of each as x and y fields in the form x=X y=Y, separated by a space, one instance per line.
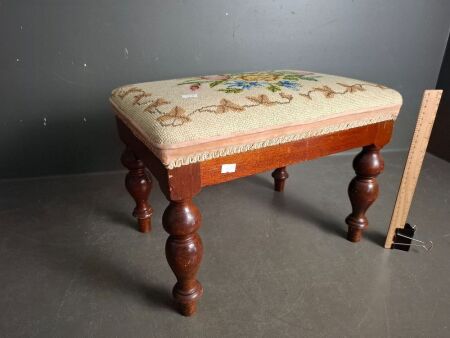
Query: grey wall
x=60 y=59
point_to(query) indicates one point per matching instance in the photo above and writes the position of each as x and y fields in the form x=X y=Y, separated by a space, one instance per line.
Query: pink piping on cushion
x=170 y=153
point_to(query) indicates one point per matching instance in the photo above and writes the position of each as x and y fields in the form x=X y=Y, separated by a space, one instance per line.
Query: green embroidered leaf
x=197 y=82
x=215 y=83
x=308 y=78
x=231 y=90
x=292 y=77
x=273 y=88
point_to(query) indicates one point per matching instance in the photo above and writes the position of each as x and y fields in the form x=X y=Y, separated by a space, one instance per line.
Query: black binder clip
x=403 y=239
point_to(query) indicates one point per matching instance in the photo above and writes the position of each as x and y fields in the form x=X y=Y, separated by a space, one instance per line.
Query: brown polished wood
x=138 y=184
x=182 y=218
x=280 y=175
x=176 y=184
x=184 y=252
x=260 y=160
x=363 y=189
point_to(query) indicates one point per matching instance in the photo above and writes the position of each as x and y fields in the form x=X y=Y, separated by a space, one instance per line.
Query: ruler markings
x=416 y=154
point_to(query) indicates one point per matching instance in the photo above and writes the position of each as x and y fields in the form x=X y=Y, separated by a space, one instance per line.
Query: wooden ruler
x=425 y=120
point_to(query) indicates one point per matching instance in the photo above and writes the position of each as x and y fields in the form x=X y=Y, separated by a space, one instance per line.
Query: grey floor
x=275 y=265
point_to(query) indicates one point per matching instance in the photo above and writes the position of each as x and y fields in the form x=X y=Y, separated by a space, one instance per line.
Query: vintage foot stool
x=199 y=131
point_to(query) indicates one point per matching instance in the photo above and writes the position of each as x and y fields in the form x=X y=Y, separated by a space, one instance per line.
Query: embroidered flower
x=261 y=99
x=236 y=83
x=176 y=117
x=288 y=97
x=260 y=76
x=226 y=105
x=155 y=104
x=140 y=94
x=288 y=84
x=137 y=98
x=194 y=87
x=330 y=93
x=244 y=84
x=352 y=88
x=326 y=91
x=124 y=92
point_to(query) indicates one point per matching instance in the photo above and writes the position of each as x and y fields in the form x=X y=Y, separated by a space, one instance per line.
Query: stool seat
x=189 y=120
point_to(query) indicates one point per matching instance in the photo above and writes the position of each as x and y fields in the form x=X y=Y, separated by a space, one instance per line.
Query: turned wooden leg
x=138 y=184
x=363 y=189
x=280 y=175
x=184 y=252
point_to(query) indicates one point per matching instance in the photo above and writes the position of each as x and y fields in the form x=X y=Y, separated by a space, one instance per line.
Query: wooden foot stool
x=195 y=132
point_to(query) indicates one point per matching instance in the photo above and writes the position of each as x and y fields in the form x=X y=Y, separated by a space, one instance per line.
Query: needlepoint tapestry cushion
x=199 y=118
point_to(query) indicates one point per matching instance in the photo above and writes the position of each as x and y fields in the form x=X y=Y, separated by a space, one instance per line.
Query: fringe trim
x=222 y=152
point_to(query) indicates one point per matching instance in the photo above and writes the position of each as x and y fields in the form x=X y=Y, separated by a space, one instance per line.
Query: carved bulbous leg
x=138 y=184
x=280 y=175
x=184 y=252
x=363 y=189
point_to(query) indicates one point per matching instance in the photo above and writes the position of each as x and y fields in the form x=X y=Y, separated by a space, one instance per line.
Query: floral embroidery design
x=261 y=100
x=273 y=81
x=236 y=83
x=139 y=95
x=153 y=106
x=226 y=106
x=330 y=93
x=178 y=116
